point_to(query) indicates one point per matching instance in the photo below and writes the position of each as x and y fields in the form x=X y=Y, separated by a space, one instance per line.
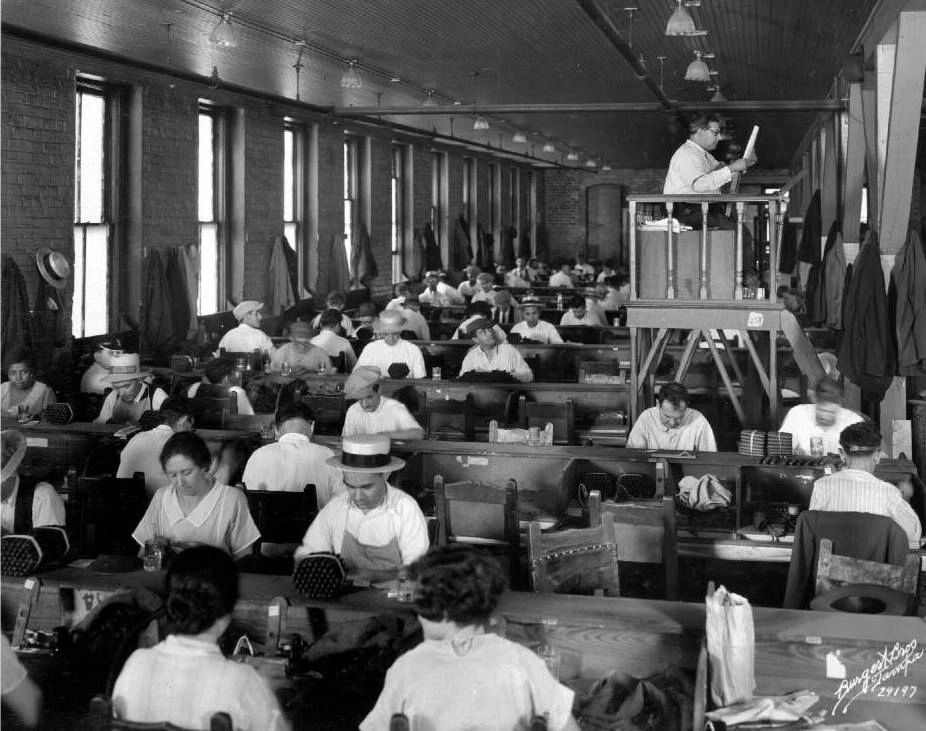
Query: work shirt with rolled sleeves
x=503 y=357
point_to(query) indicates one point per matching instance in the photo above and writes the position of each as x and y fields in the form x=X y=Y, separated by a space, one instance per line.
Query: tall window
x=209 y=210
x=292 y=139
x=91 y=227
x=438 y=195
x=399 y=153
x=351 y=193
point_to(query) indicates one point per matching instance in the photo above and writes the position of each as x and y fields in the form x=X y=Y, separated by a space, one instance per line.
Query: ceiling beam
x=882 y=17
x=782 y=105
x=601 y=19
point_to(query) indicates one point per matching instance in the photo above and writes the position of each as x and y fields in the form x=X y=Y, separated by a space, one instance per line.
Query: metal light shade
x=223 y=34
x=680 y=22
x=519 y=137
x=591 y=164
x=430 y=101
x=351 y=79
x=548 y=147
x=698 y=71
x=606 y=168
x=572 y=156
x=718 y=96
x=481 y=123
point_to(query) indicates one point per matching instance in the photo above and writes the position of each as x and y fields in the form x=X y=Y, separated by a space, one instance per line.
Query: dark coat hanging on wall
x=363 y=263
x=816 y=296
x=909 y=281
x=787 y=252
x=809 y=249
x=15 y=323
x=45 y=323
x=177 y=288
x=868 y=353
x=461 y=248
x=432 y=257
x=157 y=327
x=337 y=279
x=509 y=234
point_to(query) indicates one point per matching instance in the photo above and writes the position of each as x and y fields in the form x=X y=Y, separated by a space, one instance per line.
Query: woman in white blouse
x=194 y=508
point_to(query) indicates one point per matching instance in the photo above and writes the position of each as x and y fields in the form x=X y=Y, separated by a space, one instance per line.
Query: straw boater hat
x=531 y=301
x=124 y=367
x=243 y=308
x=361 y=383
x=14 y=449
x=53 y=266
x=106 y=352
x=392 y=320
x=366 y=453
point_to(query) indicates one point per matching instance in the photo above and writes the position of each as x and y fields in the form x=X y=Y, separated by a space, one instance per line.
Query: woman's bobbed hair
x=187 y=444
x=202 y=586
x=458 y=583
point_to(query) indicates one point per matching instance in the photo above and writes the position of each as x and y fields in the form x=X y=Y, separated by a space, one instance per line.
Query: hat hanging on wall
x=53 y=266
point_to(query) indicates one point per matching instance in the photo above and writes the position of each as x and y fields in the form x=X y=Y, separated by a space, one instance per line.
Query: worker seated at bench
x=671 y=424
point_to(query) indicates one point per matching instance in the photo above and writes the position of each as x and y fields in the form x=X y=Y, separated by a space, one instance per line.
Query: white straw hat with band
x=366 y=453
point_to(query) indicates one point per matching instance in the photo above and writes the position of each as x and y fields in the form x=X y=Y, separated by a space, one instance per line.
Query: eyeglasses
x=715 y=132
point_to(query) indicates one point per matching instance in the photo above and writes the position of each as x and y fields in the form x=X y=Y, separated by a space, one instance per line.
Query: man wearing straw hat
x=24 y=505
x=375 y=527
x=93 y=379
x=392 y=350
x=131 y=396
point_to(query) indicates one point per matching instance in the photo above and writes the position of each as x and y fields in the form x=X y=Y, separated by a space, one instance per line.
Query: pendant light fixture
x=572 y=156
x=223 y=34
x=430 y=101
x=351 y=78
x=519 y=137
x=481 y=124
x=698 y=70
x=548 y=147
x=681 y=23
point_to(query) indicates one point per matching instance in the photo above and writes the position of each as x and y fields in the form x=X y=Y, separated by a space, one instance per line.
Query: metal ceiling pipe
x=600 y=18
x=792 y=105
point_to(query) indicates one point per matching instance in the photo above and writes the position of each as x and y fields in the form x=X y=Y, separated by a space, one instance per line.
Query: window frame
x=218 y=222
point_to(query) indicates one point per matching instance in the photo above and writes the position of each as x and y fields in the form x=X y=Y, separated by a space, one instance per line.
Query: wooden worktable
x=598 y=635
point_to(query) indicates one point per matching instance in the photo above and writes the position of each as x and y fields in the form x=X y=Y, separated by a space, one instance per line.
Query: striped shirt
x=857 y=491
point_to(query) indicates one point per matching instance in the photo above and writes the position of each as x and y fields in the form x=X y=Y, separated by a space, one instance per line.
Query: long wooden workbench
x=881 y=659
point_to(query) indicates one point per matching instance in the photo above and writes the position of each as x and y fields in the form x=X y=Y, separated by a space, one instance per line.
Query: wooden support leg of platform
x=722 y=369
x=694 y=337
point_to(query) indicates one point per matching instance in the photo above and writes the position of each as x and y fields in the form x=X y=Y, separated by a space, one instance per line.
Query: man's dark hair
x=828 y=391
x=479 y=307
x=675 y=393
x=577 y=300
x=174 y=409
x=701 y=120
x=217 y=369
x=861 y=438
x=335 y=298
x=330 y=318
x=294 y=410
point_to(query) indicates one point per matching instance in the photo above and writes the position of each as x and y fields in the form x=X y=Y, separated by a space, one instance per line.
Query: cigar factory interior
x=436 y=366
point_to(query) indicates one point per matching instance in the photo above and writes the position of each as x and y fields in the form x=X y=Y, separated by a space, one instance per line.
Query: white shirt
x=519 y=278
x=857 y=491
x=185 y=680
x=451 y=295
x=415 y=321
x=221 y=519
x=138 y=406
x=92 y=380
x=480 y=295
x=47 y=507
x=241 y=398
x=143 y=454
x=694 y=171
x=693 y=434
x=801 y=424
x=332 y=344
x=290 y=464
x=246 y=339
x=390 y=415
x=311 y=360
x=560 y=279
x=399 y=518
x=377 y=353
x=486 y=682
x=466 y=289
x=503 y=357
x=542 y=332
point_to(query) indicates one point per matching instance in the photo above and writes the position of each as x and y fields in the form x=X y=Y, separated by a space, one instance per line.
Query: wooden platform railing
x=776 y=207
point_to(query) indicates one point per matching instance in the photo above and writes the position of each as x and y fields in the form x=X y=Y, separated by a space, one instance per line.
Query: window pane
x=206 y=167
x=90 y=157
x=290 y=231
x=95 y=301
x=209 y=269
x=288 y=190
x=77 y=307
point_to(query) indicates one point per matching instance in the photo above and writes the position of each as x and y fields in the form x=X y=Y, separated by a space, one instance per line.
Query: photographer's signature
x=881 y=678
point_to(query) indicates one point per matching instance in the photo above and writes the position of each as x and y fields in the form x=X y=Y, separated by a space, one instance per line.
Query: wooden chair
x=561 y=415
x=481 y=514
x=834 y=570
x=282 y=517
x=213 y=413
x=329 y=411
x=451 y=419
x=249 y=422
x=101 y=719
x=338 y=362
x=575 y=561
x=644 y=531
x=104 y=511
